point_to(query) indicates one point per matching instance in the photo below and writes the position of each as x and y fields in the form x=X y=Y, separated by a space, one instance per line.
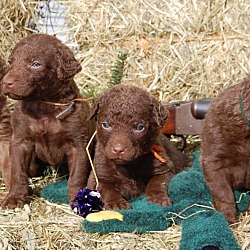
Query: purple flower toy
x=87 y=201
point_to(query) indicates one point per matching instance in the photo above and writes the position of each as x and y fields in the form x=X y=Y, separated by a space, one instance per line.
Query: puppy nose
x=118 y=149
x=8 y=81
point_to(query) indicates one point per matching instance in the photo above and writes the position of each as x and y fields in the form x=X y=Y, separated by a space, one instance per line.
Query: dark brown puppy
x=5 y=132
x=226 y=147
x=129 y=121
x=40 y=77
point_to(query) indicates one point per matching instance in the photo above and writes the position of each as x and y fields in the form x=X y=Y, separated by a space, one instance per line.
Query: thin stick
x=176 y=215
x=90 y=160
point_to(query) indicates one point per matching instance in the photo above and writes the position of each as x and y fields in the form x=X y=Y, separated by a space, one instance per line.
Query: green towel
x=202 y=225
x=207 y=229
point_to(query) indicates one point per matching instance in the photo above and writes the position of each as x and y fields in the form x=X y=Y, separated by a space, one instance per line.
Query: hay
x=44 y=225
x=14 y=21
x=177 y=50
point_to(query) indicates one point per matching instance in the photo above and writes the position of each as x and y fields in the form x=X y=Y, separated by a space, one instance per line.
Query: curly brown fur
x=41 y=73
x=129 y=121
x=5 y=132
x=226 y=148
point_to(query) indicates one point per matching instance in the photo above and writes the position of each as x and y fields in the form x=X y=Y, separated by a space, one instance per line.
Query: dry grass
x=56 y=227
x=178 y=50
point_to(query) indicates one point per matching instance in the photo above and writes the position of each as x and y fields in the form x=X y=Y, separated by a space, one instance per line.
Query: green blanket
x=201 y=224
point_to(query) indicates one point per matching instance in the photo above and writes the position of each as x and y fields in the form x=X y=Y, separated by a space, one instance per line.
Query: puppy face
x=128 y=122
x=37 y=63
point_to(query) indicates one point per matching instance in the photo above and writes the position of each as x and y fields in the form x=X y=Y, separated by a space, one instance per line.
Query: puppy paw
x=117 y=205
x=13 y=202
x=162 y=200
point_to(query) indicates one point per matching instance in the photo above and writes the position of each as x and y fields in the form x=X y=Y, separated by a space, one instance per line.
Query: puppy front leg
x=157 y=189
x=112 y=199
x=224 y=201
x=20 y=158
x=78 y=166
x=5 y=163
x=221 y=190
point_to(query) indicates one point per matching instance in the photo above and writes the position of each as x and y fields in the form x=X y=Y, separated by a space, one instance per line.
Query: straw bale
x=177 y=50
x=14 y=21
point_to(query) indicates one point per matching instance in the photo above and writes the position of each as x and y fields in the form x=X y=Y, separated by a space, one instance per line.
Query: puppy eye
x=105 y=125
x=35 y=64
x=139 y=128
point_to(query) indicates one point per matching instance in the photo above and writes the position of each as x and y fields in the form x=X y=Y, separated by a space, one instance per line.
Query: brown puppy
x=50 y=127
x=129 y=121
x=226 y=147
x=5 y=132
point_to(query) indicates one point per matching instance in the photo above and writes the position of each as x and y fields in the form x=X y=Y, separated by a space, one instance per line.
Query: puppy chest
x=49 y=141
x=45 y=128
x=50 y=147
x=131 y=187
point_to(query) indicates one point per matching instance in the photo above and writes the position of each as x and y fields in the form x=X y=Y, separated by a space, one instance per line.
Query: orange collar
x=154 y=149
x=69 y=103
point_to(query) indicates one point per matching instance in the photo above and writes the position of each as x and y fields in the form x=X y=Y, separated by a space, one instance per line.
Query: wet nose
x=118 y=149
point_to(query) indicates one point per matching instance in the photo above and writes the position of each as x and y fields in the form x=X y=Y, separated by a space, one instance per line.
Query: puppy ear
x=161 y=113
x=67 y=66
x=94 y=110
